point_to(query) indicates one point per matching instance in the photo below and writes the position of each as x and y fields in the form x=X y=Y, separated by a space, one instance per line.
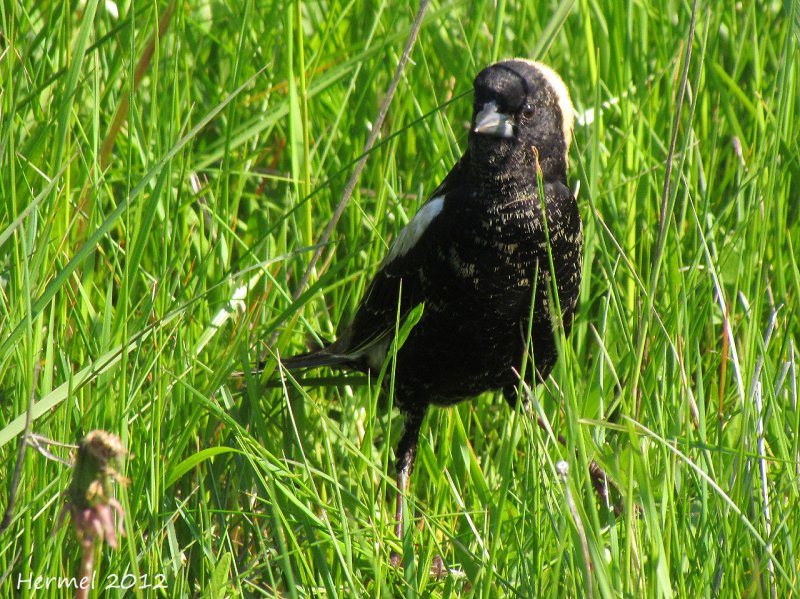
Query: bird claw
x=438 y=569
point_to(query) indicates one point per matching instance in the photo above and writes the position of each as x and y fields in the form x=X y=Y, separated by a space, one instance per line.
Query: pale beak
x=490 y=122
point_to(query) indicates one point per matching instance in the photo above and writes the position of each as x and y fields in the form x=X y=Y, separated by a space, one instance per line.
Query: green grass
x=124 y=240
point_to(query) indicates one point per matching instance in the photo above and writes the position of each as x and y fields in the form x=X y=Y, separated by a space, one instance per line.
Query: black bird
x=476 y=255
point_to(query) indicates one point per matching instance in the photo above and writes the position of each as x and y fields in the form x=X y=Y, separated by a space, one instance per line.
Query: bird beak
x=490 y=122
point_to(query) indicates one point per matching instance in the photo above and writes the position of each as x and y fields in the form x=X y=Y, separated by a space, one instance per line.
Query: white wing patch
x=410 y=234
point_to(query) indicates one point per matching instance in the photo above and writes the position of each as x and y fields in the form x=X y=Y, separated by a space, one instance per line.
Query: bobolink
x=476 y=255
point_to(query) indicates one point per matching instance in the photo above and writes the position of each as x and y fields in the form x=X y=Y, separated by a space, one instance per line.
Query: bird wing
x=396 y=287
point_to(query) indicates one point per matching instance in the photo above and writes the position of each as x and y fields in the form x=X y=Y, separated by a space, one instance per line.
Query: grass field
x=163 y=189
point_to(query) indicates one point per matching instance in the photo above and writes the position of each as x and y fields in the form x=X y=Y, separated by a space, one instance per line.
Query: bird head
x=521 y=108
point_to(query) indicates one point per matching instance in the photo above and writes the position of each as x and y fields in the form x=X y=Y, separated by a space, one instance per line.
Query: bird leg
x=402 y=484
x=406 y=454
x=600 y=480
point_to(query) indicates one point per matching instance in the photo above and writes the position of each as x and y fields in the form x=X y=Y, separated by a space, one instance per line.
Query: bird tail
x=316 y=358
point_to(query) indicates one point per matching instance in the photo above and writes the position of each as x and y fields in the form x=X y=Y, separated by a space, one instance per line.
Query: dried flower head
x=90 y=502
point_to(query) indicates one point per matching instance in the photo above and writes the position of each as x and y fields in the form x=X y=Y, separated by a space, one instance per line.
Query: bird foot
x=438 y=568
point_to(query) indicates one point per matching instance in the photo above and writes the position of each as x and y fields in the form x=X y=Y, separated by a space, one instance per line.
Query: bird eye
x=527 y=110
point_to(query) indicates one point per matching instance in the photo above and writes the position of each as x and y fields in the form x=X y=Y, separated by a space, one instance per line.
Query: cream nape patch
x=558 y=86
